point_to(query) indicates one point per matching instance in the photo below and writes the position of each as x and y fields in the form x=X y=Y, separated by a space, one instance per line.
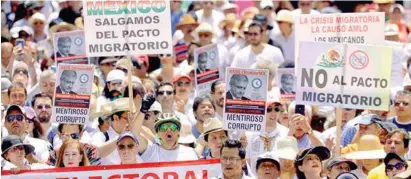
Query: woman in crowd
x=71 y=154
x=308 y=163
x=394 y=165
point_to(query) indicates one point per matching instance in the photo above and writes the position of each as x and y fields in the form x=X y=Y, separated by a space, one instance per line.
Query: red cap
x=143 y=58
x=176 y=78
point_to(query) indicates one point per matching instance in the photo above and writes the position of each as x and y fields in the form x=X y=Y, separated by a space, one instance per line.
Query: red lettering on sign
x=170 y=174
x=130 y=176
x=94 y=177
x=190 y=174
x=114 y=177
x=152 y=175
x=205 y=174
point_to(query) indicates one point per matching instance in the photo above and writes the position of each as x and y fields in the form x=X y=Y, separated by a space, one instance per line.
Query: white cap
x=116 y=75
x=266 y=3
x=391 y=29
x=156 y=106
x=37 y=16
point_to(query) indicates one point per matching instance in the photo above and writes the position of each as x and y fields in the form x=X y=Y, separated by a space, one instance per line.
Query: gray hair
x=237 y=77
x=46 y=75
x=263 y=63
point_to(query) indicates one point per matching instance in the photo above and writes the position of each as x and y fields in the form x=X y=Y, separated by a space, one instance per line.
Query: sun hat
x=229 y=18
x=268 y=156
x=110 y=108
x=338 y=160
x=211 y=125
x=369 y=147
x=287 y=148
x=204 y=28
x=266 y=3
x=322 y=152
x=123 y=63
x=186 y=134
x=13 y=141
x=285 y=16
x=404 y=175
x=187 y=20
x=382 y=1
x=166 y=117
x=61 y=25
x=116 y=76
x=38 y=16
x=391 y=29
x=228 y=6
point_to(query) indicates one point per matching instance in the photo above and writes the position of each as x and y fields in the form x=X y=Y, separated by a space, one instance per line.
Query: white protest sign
x=198 y=169
x=207 y=69
x=72 y=93
x=69 y=47
x=115 y=28
x=342 y=75
x=245 y=99
x=286 y=81
x=351 y=28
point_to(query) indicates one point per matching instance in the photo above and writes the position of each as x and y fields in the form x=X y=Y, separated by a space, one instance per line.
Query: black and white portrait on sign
x=63 y=47
x=67 y=80
x=202 y=65
x=287 y=84
x=237 y=87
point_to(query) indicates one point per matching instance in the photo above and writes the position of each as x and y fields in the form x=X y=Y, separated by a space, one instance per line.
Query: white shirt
x=155 y=153
x=287 y=45
x=41 y=147
x=245 y=58
x=214 y=19
x=312 y=12
x=255 y=145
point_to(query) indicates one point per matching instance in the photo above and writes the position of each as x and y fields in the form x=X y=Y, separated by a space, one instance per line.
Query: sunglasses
x=12 y=117
x=30 y=120
x=122 y=147
x=21 y=71
x=164 y=127
x=398 y=166
x=160 y=93
x=74 y=136
x=276 y=109
x=180 y=83
x=44 y=106
x=165 y=55
x=403 y=103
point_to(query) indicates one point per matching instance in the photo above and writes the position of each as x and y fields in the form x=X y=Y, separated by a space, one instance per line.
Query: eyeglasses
x=172 y=126
x=12 y=117
x=398 y=166
x=205 y=35
x=165 y=55
x=252 y=33
x=180 y=83
x=276 y=109
x=30 y=120
x=160 y=93
x=44 y=106
x=403 y=103
x=74 y=136
x=21 y=71
x=230 y=159
x=122 y=147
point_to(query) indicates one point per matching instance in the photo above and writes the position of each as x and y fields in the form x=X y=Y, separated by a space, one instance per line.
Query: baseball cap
x=127 y=134
x=116 y=76
x=368 y=119
x=322 y=152
x=268 y=156
x=266 y=3
x=178 y=77
x=391 y=156
x=5 y=84
x=156 y=107
x=338 y=160
x=346 y=175
x=388 y=126
x=14 y=107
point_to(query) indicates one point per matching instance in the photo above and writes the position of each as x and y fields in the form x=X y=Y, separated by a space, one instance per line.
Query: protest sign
x=199 y=169
x=286 y=82
x=351 y=28
x=245 y=99
x=207 y=70
x=72 y=93
x=133 y=27
x=342 y=75
x=69 y=47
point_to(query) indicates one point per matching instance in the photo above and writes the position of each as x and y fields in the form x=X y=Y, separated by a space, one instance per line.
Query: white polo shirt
x=245 y=58
x=155 y=153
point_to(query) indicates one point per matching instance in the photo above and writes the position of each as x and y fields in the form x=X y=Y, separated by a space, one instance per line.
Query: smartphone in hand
x=300 y=109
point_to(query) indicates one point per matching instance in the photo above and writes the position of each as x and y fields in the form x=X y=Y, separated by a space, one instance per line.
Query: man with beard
x=264 y=141
x=43 y=104
x=247 y=56
x=204 y=109
x=217 y=93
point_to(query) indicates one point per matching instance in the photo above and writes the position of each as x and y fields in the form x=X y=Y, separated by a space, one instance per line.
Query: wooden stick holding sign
x=130 y=87
x=338 y=118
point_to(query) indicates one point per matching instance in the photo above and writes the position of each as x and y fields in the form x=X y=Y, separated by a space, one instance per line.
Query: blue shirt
x=175 y=19
x=406 y=127
x=195 y=131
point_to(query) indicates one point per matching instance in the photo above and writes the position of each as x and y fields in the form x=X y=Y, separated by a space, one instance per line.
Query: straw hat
x=285 y=16
x=124 y=63
x=229 y=18
x=62 y=25
x=249 y=12
x=228 y=6
x=187 y=20
x=382 y=1
x=286 y=148
x=109 y=108
x=79 y=22
x=204 y=28
x=237 y=25
x=211 y=125
x=369 y=147
x=404 y=175
x=186 y=134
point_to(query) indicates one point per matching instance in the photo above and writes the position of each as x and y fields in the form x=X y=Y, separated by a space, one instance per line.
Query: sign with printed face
x=114 y=28
x=342 y=75
x=245 y=99
x=69 y=47
x=72 y=94
x=207 y=69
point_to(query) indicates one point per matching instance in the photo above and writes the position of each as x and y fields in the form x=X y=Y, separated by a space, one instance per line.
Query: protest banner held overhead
x=245 y=99
x=120 y=28
x=72 y=93
x=286 y=81
x=69 y=47
x=207 y=69
x=199 y=169
x=342 y=75
x=351 y=28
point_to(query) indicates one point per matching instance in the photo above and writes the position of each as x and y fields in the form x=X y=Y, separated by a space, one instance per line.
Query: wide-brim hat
x=369 y=147
x=37 y=17
x=61 y=25
x=210 y=125
x=110 y=108
x=229 y=18
x=323 y=153
x=165 y=118
x=204 y=28
x=187 y=20
x=13 y=141
x=404 y=175
x=382 y=1
x=285 y=16
x=287 y=148
x=186 y=134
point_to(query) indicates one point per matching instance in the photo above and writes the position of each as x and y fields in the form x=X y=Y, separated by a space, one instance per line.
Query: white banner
x=72 y=93
x=114 y=28
x=199 y=169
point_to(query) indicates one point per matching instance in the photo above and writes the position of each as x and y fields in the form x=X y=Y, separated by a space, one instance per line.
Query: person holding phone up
x=300 y=119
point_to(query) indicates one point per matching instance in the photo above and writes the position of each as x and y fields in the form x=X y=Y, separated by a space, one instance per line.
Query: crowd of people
x=170 y=122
